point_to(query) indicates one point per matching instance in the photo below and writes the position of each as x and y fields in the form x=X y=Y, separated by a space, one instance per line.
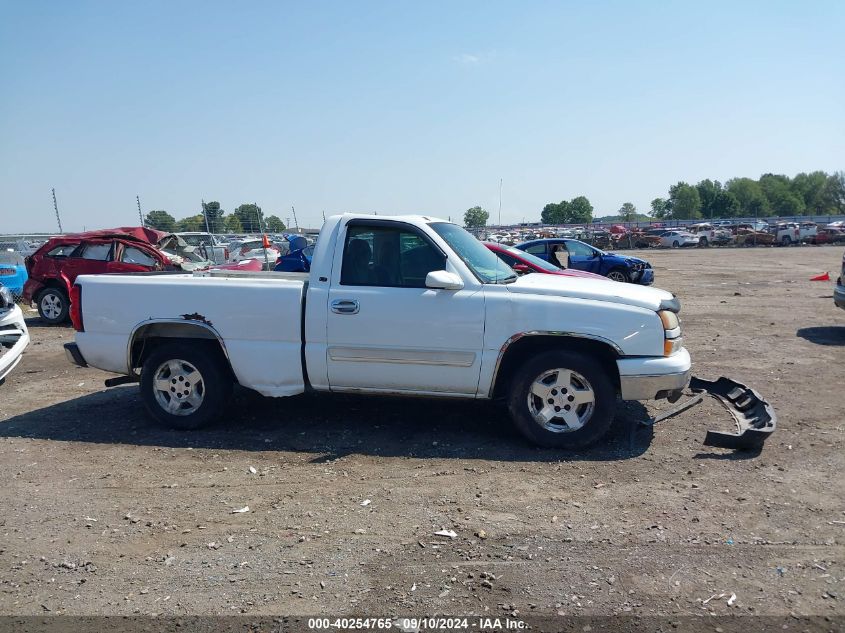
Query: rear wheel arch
x=522 y=348
x=149 y=336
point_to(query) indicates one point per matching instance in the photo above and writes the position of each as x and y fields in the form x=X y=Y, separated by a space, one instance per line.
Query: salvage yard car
x=14 y=336
x=839 y=291
x=568 y=253
x=393 y=305
x=54 y=267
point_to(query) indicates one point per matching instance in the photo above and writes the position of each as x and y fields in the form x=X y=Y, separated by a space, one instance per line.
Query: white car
x=402 y=305
x=677 y=239
x=14 y=336
x=207 y=246
x=252 y=249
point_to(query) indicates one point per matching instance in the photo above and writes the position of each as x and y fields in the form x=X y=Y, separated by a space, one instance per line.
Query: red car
x=55 y=266
x=523 y=263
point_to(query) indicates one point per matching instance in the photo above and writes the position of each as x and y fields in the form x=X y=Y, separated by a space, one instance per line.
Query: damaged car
x=14 y=337
x=54 y=267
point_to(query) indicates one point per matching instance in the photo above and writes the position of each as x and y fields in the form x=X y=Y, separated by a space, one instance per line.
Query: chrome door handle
x=345 y=306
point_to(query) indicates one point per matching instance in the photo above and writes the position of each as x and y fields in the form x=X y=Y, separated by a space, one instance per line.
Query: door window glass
x=132 y=255
x=579 y=249
x=99 y=252
x=386 y=256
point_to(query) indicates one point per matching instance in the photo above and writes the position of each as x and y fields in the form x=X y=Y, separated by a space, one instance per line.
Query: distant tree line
x=816 y=193
x=247 y=218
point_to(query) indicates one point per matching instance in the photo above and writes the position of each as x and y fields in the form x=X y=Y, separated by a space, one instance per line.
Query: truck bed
x=256 y=315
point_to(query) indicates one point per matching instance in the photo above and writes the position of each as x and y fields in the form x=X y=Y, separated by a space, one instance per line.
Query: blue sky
x=404 y=107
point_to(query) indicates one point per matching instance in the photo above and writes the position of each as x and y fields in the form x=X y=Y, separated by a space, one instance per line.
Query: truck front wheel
x=562 y=400
x=185 y=385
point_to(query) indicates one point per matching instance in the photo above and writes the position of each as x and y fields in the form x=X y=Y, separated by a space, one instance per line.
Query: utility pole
x=205 y=215
x=56 y=207
x=263 y=235
x=500 y=202
x=294 y=218
x=140 y=215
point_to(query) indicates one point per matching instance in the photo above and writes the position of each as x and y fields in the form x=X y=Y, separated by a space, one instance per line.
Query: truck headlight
x=669 y=319
x=671 y=332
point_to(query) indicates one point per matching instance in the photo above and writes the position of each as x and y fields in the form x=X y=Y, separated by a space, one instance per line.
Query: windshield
x=483 y=263
x=198 y=239
x=533 y=259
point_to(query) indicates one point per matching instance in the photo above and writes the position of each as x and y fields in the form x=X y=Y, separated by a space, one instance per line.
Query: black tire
x=619 y=274
x=786 y=240
x=53 y=306
x=676 y=244
x=597 y=377
x=703 y=242
x=213 y=388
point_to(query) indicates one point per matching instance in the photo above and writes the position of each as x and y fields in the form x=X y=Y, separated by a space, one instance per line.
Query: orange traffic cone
x=824 y=277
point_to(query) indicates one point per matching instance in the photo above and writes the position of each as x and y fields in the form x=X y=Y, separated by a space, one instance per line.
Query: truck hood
x=581 y=288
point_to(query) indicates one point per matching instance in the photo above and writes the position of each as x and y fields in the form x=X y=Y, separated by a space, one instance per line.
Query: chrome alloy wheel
x=561 y=400
x=178 y=387
x=51 y=306
x=616 y=275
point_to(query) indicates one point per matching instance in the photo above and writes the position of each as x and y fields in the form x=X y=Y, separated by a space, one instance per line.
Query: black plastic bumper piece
x=74 y=355
x=755 y=418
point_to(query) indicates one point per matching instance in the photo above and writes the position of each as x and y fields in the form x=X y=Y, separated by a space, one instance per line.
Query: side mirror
x=522 y=269
x=444 y=280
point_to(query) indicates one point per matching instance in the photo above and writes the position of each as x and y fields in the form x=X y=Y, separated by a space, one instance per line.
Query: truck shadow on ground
x=329 y=425
x=824 y=335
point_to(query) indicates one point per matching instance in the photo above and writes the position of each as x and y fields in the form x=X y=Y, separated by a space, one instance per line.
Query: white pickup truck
x=404 y=305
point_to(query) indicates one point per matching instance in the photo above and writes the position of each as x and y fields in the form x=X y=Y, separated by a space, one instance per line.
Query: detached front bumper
x=14 y=337
x=654 y=378
x=839 y=293
x=643 y=277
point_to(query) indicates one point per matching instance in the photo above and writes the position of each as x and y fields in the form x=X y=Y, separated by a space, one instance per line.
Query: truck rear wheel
x=185 y=385
x=562 y=400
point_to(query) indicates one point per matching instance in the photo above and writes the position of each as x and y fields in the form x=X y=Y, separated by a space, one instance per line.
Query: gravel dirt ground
x=106 y=513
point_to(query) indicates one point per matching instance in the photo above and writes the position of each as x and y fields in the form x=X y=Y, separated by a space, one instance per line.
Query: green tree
x=475 y=217
x=555 y=213
x=581 y=211
x=250 y=216
x=232 y=224
x=725 y=205
x=192 y=223
x=660 y=208
x=778 y=191
x=708 y=193
x=576 y=211
x=684 y=202
x=214 y=214
x=811 y=187
x=627 y=211
x=274 y=224
x=160 y=220
x=835 y=192
x=748 y=193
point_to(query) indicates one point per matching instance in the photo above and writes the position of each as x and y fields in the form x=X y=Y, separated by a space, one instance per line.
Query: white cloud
x=467 y=59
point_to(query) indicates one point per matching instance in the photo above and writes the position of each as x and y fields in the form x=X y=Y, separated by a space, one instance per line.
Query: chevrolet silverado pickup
x=402 y=305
